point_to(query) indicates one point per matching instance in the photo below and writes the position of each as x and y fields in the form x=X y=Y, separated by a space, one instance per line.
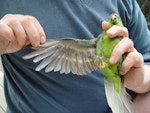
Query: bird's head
x=114 y=18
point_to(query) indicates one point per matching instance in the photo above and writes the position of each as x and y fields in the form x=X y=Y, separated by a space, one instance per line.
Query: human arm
x=136 y=73
x=17 y=31
x=142 y=102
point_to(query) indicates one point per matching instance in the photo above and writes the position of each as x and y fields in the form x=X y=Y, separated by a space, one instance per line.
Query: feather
x=65 y=55
x=84 y=56
x=119 y=103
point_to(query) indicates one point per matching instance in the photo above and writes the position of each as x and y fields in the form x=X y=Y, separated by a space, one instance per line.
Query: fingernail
x=36 y=43
x=43 y=39
x=112 y=60
x=122 y=71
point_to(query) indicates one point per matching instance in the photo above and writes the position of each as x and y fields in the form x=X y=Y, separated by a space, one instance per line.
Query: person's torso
x=28 y=91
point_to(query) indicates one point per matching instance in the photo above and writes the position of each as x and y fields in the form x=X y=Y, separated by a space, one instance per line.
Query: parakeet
x=84 y=56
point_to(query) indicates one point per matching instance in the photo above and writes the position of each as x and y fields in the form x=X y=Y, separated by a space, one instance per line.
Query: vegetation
x=144 y=4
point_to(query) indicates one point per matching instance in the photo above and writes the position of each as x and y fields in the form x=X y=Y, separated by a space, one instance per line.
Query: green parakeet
x=84 y=56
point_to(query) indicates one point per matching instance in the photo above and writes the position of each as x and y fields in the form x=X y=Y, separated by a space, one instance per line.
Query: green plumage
x=72 y=55
x=104 y=48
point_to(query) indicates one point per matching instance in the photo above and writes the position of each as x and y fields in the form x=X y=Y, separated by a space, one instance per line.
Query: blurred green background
x=145 y=7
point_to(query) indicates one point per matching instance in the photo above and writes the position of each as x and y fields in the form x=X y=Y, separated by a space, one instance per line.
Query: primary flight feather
x=71 y=55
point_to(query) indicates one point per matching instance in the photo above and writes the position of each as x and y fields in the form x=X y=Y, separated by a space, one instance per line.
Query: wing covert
x=66 y=55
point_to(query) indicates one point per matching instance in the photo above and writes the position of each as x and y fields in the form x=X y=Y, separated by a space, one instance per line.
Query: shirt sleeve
x=138 y=31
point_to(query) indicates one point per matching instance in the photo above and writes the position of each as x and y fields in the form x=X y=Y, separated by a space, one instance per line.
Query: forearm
x=141 y=103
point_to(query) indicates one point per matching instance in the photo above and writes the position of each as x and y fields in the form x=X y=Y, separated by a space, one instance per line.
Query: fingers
x=115 y=30
x=6 y=31
x=133 y=65
x=125 y=46
x=18 y=31
x=105 y=25
x=34 y=31
x=22 y=28
x=133 y=58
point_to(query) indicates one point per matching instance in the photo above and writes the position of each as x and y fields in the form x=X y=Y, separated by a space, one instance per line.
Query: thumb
x=105 y=25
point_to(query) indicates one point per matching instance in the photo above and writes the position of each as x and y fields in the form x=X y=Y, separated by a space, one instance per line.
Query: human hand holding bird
x=84 y=56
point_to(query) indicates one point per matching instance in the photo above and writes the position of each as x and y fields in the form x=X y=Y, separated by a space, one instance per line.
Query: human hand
x=133 y=65
x=17 y=31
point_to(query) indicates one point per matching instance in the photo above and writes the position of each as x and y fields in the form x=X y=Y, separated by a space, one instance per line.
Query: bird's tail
x=118 y=102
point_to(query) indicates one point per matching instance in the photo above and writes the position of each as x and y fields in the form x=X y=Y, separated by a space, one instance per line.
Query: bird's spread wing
x=66 y=55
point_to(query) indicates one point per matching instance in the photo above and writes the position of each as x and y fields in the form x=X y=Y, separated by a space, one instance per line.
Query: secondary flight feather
x=71 y=55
